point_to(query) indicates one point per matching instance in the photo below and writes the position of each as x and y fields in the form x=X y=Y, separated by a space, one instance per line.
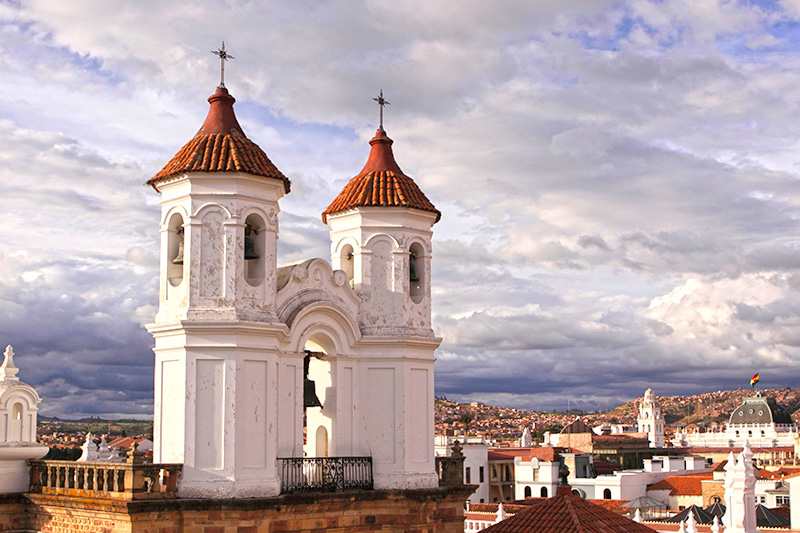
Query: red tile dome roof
x=220 y=146
x=380 y=183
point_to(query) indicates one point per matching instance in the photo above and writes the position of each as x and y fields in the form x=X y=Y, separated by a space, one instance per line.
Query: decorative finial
x=564 y=473
x=8 y=370
x=223 y=56
x=381 y=102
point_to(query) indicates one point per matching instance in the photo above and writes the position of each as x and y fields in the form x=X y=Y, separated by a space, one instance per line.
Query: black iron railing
x=328 y=474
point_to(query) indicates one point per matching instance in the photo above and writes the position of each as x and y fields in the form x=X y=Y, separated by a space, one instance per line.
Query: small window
x=480 y=474
x=508 y=473
x=482 y=500
x=468 y=475
x=528 y=492
x=606 y=494
x=543 y=492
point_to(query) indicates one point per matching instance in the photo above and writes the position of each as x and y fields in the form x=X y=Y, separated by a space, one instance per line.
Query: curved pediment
x=311 y=281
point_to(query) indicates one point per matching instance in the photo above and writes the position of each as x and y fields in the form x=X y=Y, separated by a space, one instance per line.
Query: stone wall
x=415 y=511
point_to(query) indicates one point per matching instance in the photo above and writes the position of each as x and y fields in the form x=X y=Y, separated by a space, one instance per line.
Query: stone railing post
x=134 y=477
x=451 y=469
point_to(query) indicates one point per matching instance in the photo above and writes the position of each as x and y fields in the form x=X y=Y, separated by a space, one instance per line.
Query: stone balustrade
x=131 y=480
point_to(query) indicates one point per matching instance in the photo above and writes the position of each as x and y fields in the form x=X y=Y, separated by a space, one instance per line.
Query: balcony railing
x=131 y=480
x=326 y=474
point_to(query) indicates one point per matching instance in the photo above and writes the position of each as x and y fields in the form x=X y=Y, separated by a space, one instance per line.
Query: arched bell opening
x=347 y=263
x=175 y=250
x=416 y=273
x=318 y=401
x=254 y=248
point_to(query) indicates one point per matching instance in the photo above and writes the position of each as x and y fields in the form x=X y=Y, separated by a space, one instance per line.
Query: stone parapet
x=416 y=511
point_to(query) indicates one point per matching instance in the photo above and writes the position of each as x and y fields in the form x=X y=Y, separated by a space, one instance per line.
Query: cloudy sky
x=618 y=180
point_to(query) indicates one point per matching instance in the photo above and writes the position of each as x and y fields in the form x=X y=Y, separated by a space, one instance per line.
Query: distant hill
x=504 y=424
x=707 y=407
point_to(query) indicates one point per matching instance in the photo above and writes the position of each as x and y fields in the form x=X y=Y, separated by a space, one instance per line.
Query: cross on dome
x=382 y=103
x=223 y=57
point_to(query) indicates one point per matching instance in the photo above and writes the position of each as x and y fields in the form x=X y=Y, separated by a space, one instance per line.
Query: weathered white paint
x=230 y=337
x=18 y=413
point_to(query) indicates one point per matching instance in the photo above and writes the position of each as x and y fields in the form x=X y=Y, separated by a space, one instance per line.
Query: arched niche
x=322 y=442
x=16 y=422
x=175 y=250
x=416 y=272
x=254 y=249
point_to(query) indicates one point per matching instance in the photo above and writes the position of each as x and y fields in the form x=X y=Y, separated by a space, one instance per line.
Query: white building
x=759 y=420
x=651 y=419
x=476 y=461
x=539 y=477
x=19 y=407
x=234 y=333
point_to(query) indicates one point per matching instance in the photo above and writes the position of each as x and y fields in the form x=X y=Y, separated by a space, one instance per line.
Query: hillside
x=708 y=407
x=503 y=423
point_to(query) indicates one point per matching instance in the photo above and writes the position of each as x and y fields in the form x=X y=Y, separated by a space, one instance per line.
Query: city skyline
x=618 y=182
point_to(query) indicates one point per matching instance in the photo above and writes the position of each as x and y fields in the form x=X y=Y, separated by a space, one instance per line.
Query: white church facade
x=759 y=420
x=246 y=350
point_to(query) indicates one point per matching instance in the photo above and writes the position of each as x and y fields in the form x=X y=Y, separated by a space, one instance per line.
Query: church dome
x=760 y=410
x=380 y=183
x=220 y=146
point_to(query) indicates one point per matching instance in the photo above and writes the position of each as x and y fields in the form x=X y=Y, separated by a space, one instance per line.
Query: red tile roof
x=565 y=514
x=380 y=183
x=220 y=146
x=688 y=485
x=545 y=453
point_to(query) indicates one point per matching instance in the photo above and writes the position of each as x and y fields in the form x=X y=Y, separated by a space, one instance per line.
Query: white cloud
x=589 y=159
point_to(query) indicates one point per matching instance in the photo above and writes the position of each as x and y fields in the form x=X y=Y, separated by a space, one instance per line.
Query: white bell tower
x=651 y=419
x=216 y=332
x=381 y=228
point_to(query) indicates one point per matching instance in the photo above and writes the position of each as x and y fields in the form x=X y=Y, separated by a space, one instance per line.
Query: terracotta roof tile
x=688 y=485
x=380 y=183
x=220 y=146
x=565 y=514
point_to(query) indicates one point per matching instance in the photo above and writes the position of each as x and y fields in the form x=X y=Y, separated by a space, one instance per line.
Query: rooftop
x=220 y=146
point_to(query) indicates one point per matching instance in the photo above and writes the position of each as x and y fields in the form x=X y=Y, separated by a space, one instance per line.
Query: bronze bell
x=310 y=398
x=412 y=271
x=310 y=394
x=179 y=258
x=250 y=243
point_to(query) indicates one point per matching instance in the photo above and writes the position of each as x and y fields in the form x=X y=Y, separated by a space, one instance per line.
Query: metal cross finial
x=381 y=102
x=223 y=56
